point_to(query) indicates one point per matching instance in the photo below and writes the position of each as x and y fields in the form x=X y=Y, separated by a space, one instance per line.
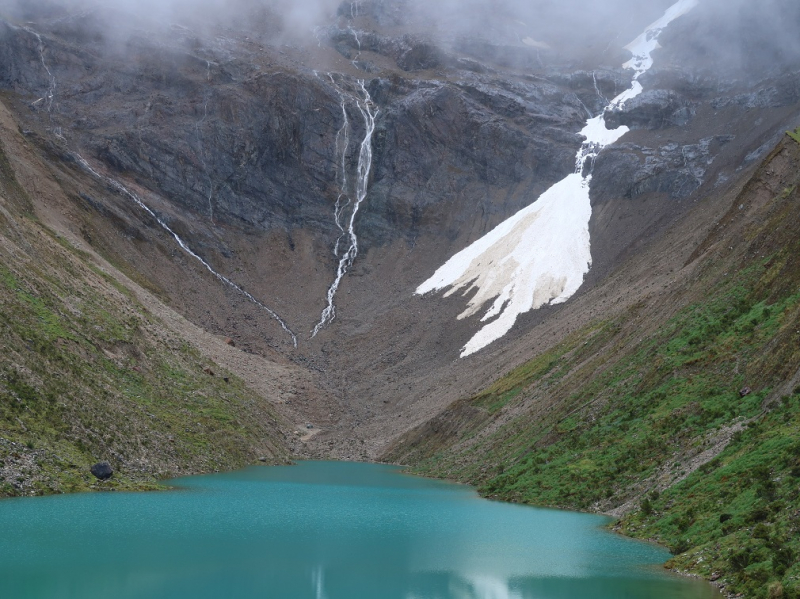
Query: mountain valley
x=215 y=226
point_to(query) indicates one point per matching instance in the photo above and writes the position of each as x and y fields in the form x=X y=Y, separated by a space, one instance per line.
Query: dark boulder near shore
x=102 y=470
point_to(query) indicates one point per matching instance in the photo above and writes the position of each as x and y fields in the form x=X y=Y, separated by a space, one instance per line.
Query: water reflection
x=318 y=582
x=482 y=587
x=318 y=531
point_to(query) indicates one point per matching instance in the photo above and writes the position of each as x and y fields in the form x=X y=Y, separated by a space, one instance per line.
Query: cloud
x=729 y=34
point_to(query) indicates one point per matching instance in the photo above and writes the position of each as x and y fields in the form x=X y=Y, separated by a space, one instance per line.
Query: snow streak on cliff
x=540 y=255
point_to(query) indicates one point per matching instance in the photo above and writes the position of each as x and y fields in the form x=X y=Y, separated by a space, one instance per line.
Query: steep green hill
x=683 y=419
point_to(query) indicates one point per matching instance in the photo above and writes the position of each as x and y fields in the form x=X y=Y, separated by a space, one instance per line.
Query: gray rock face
x=230 y=129
x=102 y=471
x=409 y=52
x=653 y=109
x=234 y=143
x=629 y=171
x=234 y=136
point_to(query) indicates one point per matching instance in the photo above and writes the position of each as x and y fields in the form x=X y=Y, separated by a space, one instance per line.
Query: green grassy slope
x=87 y=373
x=687 y=419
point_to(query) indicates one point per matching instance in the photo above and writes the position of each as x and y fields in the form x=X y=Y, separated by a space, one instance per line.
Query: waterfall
x=49 y=97
x=183 y=245
x=199 y=135
x=368 y=113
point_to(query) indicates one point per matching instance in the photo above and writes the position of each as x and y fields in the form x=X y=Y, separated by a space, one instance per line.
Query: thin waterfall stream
x=369 y=113
x=50 y=98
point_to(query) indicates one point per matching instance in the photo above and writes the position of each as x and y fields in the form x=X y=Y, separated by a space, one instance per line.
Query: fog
x=727 y=34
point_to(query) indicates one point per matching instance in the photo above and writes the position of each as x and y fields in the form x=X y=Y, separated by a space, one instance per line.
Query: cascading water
x=49 y=97
x=184 y=246
x=597 y=88
x=342 y=143
x=540 y=255
x=369 y=113
x=354 y=62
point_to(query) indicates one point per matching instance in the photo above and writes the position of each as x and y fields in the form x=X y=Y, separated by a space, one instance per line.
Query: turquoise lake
x=319 y=530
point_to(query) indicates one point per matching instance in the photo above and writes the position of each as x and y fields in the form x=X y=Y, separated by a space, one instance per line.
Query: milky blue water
x=318 y=530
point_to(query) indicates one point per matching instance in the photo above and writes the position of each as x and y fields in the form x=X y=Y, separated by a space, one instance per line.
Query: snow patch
x=540 y=255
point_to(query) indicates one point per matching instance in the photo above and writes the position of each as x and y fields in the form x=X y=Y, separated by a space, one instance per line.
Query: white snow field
x=541 y=254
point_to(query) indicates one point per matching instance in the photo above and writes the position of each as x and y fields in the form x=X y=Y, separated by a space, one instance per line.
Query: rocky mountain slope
x=173 y=180
x=95 y=367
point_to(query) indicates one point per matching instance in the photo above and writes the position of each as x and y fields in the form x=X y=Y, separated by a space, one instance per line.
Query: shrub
x=758 y=514
x=680 y=546
x=782 y=560
x=761 y=531
x=740 y=560
x=647 y=507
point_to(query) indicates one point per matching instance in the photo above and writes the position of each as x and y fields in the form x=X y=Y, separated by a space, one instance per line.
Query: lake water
x=319 y=530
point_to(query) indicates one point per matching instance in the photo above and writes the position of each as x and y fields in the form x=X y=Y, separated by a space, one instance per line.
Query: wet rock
x=102 y=471
x=629 y=171
x=513 y=57
x=384 y=13
x=410 y=53
x=653 y=109
x=421 y=56
x=783 y=93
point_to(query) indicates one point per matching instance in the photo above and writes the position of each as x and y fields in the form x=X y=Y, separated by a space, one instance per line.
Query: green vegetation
x=795 y=135
x=682 y=414
x=738 y=514
x=676 y=391
x=87 y=374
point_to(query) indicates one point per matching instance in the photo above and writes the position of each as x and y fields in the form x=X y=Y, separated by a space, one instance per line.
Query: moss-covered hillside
x=88 y=373
x=680 y=414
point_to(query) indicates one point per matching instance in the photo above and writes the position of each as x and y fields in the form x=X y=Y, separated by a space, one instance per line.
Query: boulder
x=102 y=470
